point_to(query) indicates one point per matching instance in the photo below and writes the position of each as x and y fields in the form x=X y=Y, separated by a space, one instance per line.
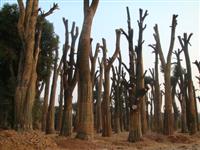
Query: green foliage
x=49 y=43
x=10 y=47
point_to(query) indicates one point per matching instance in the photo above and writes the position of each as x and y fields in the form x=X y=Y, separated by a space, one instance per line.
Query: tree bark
x=26 y=78
x=50 y=125
x=70 y=77
x=85 y=121
x=135 y=132
x=192 y=120
x=168 y=117
x=60 y=109
x=182 y=95
x=45 y=103
x=106 y=116
x=99 y=99
x=140 y=70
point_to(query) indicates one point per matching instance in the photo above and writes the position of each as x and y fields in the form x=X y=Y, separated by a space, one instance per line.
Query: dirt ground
x=11 y=140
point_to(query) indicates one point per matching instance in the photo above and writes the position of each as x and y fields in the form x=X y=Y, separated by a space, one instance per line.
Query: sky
x=111 y=15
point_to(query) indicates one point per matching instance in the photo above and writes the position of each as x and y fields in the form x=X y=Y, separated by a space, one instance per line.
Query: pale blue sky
x=111 y=14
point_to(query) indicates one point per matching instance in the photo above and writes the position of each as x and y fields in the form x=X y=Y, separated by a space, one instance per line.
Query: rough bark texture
x=85 y=121
x=106 y=115
x=26 y=78
x=192 y=119
x=166 y=65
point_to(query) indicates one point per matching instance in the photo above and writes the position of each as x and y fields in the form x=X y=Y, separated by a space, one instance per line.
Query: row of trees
x=124 y=106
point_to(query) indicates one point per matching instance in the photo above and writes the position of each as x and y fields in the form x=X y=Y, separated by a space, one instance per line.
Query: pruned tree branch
x=51 y=10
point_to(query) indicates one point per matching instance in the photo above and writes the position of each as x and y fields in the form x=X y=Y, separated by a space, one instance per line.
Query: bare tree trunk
x=70 y=77
x=45 y=103
x=106 y=116
x=60 y=110
x=26 y=78
x=168 y=119
x=192 y=120
x=140 y=70
x=175 y=108
x=99 y=99
x=85 y=121
x=182 y=95
x=134 y=124
x=116 y=99
x=50 y=125
x=157 y=101
x=196 y=109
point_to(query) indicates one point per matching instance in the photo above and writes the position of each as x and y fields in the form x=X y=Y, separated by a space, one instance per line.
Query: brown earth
x=12 y=140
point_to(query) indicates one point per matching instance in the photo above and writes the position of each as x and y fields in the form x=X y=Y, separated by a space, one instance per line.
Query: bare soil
x=12 y=140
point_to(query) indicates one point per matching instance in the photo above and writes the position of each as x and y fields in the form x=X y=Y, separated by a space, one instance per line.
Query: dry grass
x=12 y=140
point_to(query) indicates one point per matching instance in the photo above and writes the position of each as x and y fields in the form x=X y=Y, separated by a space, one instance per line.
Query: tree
x=182 y=96
x=99 y=98
x=157 y=96
x=49 y=43
x=166 y=65
x=10 y=52
x=26 y=78
x=192 y=120
x=70 y=77
x=136 y=85
x=140 y=68
x=85 y=110
x=106 y=116
x=50 y=127
x=10 y=46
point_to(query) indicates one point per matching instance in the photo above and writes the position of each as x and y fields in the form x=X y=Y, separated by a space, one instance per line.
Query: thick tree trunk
x=85 y=121
x=168 y=117
x=106 y=115
x=26 y=78
x=135 y=132
x=67 y=116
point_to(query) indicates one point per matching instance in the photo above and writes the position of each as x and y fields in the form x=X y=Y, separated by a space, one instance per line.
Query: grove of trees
x=113 y=96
